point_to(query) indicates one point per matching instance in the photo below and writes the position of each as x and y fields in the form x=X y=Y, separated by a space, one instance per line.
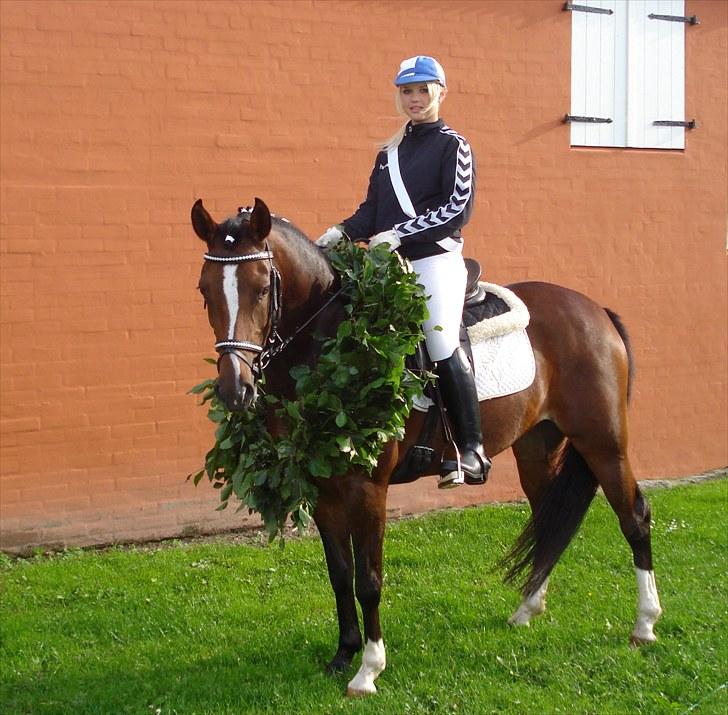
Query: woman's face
x=416 y=103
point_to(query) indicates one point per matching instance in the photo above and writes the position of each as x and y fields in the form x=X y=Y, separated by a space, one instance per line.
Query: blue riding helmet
x=420 y=69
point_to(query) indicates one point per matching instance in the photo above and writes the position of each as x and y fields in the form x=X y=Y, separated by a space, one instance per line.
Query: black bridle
x=274 y=343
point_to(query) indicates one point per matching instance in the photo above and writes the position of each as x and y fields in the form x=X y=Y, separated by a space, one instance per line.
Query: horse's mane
x=291 y=231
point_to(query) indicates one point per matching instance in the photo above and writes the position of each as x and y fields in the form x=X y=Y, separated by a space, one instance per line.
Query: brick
x=15 y=539
x=21 y=424
x=113 y=128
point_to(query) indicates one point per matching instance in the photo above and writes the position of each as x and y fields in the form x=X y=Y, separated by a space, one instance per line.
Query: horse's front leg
x=368 y=537
x=336 y=537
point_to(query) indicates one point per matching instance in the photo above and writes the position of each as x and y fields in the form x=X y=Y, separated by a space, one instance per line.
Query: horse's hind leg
x=336 y=538
x=614 y=474
x=534 y=452
x=634 y=515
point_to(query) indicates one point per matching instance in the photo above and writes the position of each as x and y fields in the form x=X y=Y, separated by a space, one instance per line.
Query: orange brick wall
x=117 y=115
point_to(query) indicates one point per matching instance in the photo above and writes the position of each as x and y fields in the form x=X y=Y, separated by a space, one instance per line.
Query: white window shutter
x=598 y=73
x=656 y=92
x=630 y=68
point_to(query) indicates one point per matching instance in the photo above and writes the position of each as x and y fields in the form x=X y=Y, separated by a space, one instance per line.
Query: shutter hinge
x=569 y=6
x=690 y=20
x=692 y=124
x=569 y=118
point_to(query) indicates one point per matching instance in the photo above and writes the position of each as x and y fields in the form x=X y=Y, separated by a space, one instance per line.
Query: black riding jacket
x=438 y=169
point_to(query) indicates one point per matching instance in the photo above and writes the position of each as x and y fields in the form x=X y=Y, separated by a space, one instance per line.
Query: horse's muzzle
x=237 y=400
x=235 y=385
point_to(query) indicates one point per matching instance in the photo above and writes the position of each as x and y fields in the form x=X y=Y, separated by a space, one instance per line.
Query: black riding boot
x=457 y=387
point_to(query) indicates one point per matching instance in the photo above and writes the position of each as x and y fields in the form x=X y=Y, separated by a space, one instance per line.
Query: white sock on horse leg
x=534 y=605
x=648 y=608
x=373 y=662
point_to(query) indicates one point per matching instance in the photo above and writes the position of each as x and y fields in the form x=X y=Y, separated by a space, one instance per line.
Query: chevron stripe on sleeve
x=461 y=193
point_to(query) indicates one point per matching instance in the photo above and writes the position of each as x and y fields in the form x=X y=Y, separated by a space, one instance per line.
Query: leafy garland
x=353 y=401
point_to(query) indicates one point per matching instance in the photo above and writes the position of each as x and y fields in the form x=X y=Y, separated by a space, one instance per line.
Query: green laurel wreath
x=354 y=400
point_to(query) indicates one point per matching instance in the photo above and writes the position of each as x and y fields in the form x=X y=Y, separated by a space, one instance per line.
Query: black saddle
x=474 y=292
x=479 y=304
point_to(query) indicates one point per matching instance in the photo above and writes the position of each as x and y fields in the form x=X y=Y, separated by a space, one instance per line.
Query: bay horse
x=268 y=291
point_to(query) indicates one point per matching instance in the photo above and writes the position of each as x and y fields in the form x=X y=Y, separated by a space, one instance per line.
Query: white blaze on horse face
x=230 y=289
x=373 y=663
x=648 y=609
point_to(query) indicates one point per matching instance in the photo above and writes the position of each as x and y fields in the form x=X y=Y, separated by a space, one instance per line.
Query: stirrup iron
x=456 y=477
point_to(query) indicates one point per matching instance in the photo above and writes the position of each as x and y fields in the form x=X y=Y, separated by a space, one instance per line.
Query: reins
x=284 y=343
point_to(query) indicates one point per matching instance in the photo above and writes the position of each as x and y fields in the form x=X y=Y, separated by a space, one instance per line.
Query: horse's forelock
x=281 y=229
x=234 y=226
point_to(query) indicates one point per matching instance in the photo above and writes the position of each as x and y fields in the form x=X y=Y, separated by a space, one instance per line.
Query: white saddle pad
x=504 y=363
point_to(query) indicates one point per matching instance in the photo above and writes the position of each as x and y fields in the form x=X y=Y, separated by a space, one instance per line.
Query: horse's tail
x=553 y=524
x=622 y=330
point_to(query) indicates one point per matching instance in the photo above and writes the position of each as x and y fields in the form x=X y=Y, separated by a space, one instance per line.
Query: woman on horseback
x=420 y=196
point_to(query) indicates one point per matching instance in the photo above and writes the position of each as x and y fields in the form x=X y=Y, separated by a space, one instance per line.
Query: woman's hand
x=330 y=237
x=388 y=238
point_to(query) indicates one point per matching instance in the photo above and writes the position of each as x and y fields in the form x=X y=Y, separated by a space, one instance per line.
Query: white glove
x=330 y=237
x=388 y=238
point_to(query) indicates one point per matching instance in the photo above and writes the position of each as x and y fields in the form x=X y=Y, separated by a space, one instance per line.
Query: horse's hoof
x=360 y=692
x=520 y=619
x=340 y=663
x=524 y=614
x=638 y=641
x=337 y=666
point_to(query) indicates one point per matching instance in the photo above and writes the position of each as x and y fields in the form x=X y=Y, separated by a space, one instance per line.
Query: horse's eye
x=263 y=292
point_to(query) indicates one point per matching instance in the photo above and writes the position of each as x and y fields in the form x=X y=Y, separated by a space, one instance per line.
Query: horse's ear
x=260 y=220
x=202 y=222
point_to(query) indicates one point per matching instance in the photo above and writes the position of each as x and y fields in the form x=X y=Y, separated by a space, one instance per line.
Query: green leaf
x=345 y=330
x=196 y=478
x=227 y=443
x=293 y=410
x=344 y=444
x=197 y=389
x=297 y=372
x=216 y=415
x=319 y=467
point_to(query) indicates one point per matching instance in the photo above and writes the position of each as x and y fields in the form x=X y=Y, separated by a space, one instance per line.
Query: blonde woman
x=420 y=196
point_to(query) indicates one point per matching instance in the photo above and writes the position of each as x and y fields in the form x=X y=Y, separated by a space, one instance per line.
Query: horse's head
x=240 y=287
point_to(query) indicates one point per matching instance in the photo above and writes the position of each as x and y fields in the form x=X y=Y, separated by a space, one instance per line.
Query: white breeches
x=443 y=277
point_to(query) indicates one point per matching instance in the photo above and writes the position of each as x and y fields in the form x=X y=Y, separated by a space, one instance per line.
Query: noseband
x=274 y=343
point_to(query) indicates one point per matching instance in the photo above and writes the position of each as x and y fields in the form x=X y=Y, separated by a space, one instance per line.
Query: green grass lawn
x=223 y=628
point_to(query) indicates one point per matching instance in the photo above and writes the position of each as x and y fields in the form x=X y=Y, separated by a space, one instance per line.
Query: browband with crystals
x=261 y=256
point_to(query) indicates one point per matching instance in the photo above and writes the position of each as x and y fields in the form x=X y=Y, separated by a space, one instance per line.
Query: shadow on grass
x=254 y=680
